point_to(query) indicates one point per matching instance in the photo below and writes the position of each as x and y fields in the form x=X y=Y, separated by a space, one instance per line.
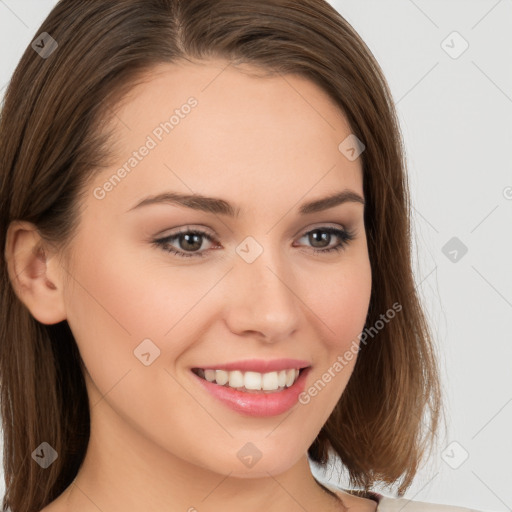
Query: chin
x=273 y=461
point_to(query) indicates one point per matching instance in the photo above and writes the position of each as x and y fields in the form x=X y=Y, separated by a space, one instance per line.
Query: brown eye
x=320 y=239
x=189 y=243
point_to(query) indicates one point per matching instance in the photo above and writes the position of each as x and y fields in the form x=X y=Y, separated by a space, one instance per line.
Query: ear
x=36 y=275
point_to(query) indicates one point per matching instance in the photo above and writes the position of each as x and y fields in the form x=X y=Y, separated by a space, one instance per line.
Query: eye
x=316 y=237
x=188 y=239
x=192 y=240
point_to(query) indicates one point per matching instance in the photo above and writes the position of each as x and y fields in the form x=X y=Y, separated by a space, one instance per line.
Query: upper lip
x=259 y=365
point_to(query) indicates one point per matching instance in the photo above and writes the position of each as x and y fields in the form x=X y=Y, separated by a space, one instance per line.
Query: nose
x=262 y=299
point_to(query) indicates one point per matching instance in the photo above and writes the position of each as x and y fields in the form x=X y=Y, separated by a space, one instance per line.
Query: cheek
x=112 y=308
x=341 y=301
x=113 y=305
x=124 y=296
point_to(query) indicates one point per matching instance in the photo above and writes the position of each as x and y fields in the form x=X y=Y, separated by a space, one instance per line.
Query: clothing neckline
x=369 y=495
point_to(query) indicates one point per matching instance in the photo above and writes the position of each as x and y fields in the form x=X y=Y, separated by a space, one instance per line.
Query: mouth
x=251 y=382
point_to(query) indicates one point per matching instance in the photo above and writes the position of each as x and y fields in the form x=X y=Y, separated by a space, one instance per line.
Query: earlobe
x=34 y=273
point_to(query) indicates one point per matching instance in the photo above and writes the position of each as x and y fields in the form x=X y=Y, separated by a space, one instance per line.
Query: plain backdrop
x=449 y=67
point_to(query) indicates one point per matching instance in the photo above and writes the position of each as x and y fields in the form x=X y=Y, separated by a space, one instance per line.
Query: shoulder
x=351 y=499
x=376 y=502
x=388 y=504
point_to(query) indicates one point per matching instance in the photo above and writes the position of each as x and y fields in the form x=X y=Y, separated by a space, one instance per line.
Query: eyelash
x=346 y=236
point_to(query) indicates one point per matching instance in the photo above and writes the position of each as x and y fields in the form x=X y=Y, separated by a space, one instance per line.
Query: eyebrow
x=222 y=207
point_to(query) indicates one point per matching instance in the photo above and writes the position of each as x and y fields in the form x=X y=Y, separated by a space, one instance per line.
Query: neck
x=124 y=470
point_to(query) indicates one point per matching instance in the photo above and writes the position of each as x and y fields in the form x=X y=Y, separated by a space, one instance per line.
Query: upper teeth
x=253 y=380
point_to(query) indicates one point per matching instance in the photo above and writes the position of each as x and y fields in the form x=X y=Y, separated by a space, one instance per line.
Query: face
x=163 y=287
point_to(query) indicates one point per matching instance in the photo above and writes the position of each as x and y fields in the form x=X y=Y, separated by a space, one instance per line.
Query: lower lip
x=257 y=404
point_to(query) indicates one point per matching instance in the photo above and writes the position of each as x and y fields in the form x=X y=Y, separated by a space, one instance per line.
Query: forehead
x=213 y=128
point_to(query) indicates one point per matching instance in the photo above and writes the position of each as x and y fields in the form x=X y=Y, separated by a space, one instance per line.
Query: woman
x=206 y=272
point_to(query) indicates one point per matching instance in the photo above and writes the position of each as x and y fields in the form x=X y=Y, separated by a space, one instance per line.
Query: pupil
x=196 y=245
x=323 y=237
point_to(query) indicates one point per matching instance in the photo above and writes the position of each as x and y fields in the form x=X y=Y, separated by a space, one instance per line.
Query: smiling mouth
x=251 y=382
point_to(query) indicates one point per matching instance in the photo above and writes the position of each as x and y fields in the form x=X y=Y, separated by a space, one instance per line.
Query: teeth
x=236 y=379
x=290 y=377
x=221 y=377
x=253 y=381
x=269 y=381
x=209 y=375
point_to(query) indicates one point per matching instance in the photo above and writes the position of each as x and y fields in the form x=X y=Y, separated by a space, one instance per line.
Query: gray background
x=455 y=110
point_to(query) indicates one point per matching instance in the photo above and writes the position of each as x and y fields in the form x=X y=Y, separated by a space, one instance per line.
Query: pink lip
x=257 y=404
x=259 y=365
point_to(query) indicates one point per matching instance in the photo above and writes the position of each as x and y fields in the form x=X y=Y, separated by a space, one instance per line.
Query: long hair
x=52 y=141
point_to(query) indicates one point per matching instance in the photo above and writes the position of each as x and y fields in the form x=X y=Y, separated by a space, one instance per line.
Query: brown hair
x=51 y=142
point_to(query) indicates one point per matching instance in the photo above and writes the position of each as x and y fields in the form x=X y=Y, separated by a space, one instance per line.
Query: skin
x=158 y=440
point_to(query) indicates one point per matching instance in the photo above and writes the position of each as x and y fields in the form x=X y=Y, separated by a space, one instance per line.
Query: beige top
x=389 y=504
